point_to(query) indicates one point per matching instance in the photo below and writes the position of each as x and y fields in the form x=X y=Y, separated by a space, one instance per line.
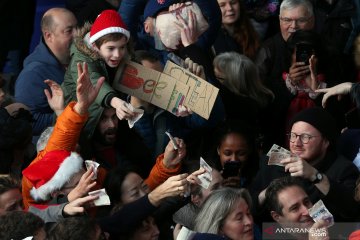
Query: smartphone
x=304 y=52
x=231 y=169
x=352 y=118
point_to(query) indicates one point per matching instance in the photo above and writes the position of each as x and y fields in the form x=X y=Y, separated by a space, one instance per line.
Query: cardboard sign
x=175 y=86
x=201 y=96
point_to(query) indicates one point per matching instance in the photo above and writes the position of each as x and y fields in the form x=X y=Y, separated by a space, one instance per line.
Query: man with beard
x=114 y=143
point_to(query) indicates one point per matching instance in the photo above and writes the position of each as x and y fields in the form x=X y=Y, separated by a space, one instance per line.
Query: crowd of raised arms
x=86 y=154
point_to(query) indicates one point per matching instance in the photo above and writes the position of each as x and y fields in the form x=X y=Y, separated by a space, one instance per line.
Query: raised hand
x=86 y=93
x=83 y=187
x=314 y=83
x=55 y=98
x=298 y=72
x=173 y=186
x=340 y=89
x=298 y=167
x=188 y=30
x=195 y=68
x=122 y=111
x=173 y=157
x=78 y=205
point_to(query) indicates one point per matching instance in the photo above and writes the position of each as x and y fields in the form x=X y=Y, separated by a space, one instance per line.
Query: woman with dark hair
x=306 y=73
x=235 y=152
x=236 y=33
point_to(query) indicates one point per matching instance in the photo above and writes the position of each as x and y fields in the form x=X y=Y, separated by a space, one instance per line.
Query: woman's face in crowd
x=133 y=188
x=238 y=225
x=230 y=11
x=113 y=51
x=233 y=148
x=148 y=230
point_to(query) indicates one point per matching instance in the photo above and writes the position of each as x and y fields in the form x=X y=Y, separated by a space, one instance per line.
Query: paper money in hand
x=138 y=114
x=103 y=199
x=176 y=147
x=277 y=148
x=94 y=165
x=319 y=211
x=206 y=177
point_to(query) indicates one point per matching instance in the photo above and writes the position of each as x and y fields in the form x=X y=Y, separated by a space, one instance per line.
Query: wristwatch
x=318 y=178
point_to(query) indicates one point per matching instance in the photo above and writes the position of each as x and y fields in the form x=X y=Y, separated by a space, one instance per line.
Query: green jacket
x=81 y=52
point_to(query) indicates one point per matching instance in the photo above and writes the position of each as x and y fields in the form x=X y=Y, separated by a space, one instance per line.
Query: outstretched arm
x=339 y=90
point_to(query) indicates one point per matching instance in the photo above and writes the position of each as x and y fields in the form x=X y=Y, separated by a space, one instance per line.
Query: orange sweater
x=64 y=137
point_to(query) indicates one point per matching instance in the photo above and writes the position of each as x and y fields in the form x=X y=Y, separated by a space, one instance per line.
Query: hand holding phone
x=231 y=169
x=304 y=52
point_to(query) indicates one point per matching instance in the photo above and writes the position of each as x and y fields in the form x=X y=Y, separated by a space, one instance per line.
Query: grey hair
x=291 y=4
x=217 y=207
x=43 y=139
x=242 y=77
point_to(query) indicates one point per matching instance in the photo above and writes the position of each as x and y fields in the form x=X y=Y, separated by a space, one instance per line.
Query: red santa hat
x=109 y=21
x=52 y=172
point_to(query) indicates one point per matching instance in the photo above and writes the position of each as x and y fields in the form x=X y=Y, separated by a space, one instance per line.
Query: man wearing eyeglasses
x=324 y=174
x=273 y=59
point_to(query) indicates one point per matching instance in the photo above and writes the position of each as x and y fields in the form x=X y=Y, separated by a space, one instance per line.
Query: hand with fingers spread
x=78 y=205
x=84 y=186
x=297 y=72
x=172 y=157
x=173 y=186
x=188 y=30
x=122 y=111
x=340 y=89
x=86 y=93
x=55 y=98
x=195 y=68
x=298 y=167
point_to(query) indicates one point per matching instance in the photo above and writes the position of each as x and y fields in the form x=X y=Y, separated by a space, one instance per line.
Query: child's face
x=113 y=51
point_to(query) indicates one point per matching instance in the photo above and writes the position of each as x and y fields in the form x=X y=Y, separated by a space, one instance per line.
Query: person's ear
x=275 y=216
x=95 y=47
x=218 y=151
x=47 y=35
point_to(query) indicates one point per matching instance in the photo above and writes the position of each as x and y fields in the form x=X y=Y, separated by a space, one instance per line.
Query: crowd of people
x=288 y=74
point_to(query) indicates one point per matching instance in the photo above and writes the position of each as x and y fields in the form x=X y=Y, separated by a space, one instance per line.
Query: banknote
x=103 y=199
x=94 y=165
x=138 y=114
x=206 y=177
x=319 y=211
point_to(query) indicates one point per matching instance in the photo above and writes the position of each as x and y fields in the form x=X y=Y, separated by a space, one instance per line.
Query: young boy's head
x=109 y=37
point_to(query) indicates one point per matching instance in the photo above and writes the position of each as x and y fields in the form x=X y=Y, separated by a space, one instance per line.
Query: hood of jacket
x=81 y=42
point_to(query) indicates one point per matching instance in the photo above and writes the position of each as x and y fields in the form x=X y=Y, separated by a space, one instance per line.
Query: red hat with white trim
x=108 y=21
x=52 y=172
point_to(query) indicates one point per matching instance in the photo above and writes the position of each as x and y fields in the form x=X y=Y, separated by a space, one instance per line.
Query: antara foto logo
x=269 y=230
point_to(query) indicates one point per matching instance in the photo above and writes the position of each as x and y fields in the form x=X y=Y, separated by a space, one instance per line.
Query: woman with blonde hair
x=226 y=212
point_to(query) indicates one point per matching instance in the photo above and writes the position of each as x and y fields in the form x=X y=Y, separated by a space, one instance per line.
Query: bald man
x=48 y=61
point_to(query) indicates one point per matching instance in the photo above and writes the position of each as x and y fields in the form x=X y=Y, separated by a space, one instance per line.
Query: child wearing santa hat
x=104 y=47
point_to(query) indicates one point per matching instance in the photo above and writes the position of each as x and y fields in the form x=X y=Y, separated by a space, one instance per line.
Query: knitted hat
x=52 y=172
x=155 y=6
x=320 y=119
x=108 y=21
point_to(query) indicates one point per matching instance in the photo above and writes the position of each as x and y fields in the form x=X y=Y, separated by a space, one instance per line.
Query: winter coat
x=29 y=87
x=81 y=52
